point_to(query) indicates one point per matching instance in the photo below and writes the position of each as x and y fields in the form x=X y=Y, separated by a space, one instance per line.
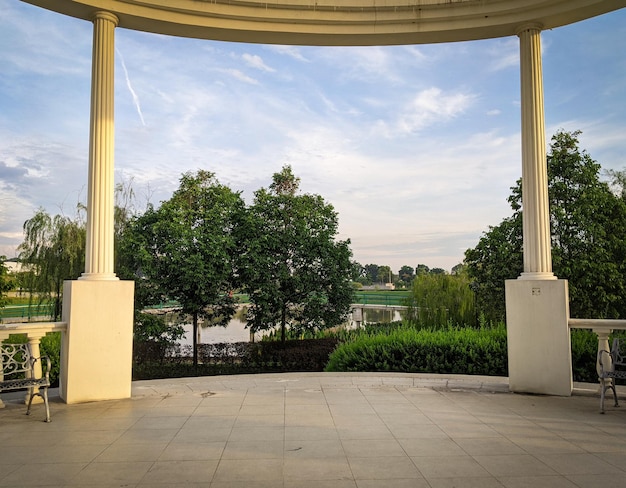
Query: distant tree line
x=372 y=274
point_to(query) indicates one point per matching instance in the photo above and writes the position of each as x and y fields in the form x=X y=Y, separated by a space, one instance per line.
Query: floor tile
x=181 y=472
x=383 y=468
x=254 y=449
x=514 y=465
x=249 y=470
x=317 y=469
x=449 y=467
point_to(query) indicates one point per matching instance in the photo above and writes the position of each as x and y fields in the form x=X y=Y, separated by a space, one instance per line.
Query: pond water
x=236 y=330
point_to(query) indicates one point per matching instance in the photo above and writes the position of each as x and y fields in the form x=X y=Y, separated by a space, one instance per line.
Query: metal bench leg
x=44 y=394
x=30 y=400
x=603 y=388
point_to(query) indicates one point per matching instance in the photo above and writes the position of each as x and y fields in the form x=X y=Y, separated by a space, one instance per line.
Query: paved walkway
x=317 y=431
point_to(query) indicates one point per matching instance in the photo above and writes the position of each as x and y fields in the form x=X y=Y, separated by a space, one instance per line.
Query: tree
x=358 y=273
x=438 y=299
x=53 y=251
x=421 y=269
x=437 y=271
x=296 y=273
x=185 y=249
x=406 y=274
x=458 y=269
x=497 y=257
x=384 y=275
x=587 y=224
x=371 y=272
x=6 y=281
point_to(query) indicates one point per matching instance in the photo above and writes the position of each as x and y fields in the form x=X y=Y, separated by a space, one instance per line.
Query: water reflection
x=236 y=330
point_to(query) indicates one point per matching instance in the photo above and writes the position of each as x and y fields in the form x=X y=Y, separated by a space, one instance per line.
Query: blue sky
x=415 y=146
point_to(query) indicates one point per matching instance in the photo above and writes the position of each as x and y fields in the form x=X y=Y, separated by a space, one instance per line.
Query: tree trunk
x=195 y=339
x=283 y=322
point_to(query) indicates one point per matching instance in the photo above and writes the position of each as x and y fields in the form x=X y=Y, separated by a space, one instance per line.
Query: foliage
x=295 y=272
x=51 y=346
x=6 y=282
x=185 y=249
x=370 y=272
x=53 y=251
x=438 y=299
x=406 y=275
x=154 y=339
x=497 y=257
x=445 y=351
x=242 y=357
x=384 y=275
x=584 y=355
x=587 y=224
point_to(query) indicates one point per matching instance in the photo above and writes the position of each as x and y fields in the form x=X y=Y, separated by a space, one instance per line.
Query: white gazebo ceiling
x=337 y=22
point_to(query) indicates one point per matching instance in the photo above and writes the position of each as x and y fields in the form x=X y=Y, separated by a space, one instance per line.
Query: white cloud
x=433 y=106
x=239 y=75
x=291 y=51
x=504 y=54
x=256 y=61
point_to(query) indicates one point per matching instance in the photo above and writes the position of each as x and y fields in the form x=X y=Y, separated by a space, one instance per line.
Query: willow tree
x=438 y=299
x=53 y=251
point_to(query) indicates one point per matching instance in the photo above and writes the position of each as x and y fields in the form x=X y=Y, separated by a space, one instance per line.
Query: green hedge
x=450 y=351
x=241 y=358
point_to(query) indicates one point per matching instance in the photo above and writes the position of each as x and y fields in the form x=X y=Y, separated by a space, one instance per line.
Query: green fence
x=26 y=311
x=383 y=298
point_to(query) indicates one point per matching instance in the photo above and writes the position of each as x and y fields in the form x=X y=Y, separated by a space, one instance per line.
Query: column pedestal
x=539 y=346
x=97 y=350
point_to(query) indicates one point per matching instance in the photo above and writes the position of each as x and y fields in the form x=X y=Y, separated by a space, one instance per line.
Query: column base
x=98 y=277
x=537 y=276
x=97 y=349
x=538 y=337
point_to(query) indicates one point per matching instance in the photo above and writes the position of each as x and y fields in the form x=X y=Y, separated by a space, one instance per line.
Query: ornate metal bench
x=18 y=373
x=611 y=365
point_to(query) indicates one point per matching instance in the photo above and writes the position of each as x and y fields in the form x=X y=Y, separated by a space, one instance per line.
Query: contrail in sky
x=130 y=88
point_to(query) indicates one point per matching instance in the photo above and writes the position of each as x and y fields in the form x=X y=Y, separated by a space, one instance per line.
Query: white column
x=536 y=213
x=99 y=264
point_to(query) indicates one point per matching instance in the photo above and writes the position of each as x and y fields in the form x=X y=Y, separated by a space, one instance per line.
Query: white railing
x=602 y=328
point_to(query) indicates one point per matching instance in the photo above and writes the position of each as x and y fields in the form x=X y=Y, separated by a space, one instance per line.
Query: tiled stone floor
x=317 y=431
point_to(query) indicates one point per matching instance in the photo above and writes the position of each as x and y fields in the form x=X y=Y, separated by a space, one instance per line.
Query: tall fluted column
x=99 y=264
x=536 y=212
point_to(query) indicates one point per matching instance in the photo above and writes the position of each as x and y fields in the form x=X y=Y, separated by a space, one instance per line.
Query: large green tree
x=296 y=272
x=185 y=249
x=587 y=220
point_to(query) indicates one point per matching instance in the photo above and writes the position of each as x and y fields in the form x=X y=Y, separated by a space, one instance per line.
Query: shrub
x=241 y=358
x=448 y=351
x=51 y=346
